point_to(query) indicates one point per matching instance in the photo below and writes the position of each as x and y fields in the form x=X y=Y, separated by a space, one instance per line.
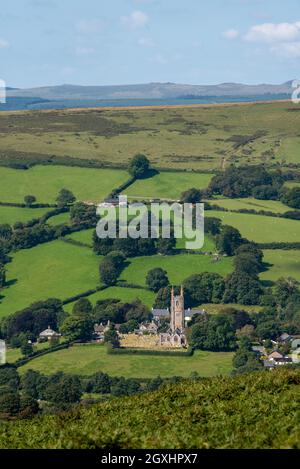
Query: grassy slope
x=178 y=267
x=252 y=204
x=281 y=264
x=167 y=185
x=260 y=228
x=254 y=411
x=195 y=138
x=11 y=215
x=124 y=294
x=51 y=270
x=61 y=219
x=89 y=359
x=45 y=182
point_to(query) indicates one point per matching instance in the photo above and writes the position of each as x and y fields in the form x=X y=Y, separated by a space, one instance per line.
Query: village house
x=49 y=334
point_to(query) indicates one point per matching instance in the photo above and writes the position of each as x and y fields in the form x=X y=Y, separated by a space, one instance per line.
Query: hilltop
x=258 y=410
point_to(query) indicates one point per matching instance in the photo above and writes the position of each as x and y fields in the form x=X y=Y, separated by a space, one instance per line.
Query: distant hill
x=258 y=410
x=150 y=91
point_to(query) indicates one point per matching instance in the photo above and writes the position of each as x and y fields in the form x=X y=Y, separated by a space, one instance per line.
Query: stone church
x=175 y=337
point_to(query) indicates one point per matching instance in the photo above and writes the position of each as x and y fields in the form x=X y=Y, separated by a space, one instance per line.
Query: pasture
x=183 y=138
x=44 y=182
x=61 y=219
x=125 y=295
x=167 y=185
x=281 y=264
x=11 y=215
x=178 y=267
x=50 y=270
x=259 y=228
x=89 y=359
x=251 y=204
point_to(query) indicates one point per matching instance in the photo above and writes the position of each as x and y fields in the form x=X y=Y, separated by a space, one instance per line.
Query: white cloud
x=271 y=32
x=146 y=42
x=231 y=34
x=89 y=26
x=289 y=50
x=3 y=44
x=137 y=19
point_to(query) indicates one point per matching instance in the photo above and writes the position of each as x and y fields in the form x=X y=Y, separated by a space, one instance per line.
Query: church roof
x=160 y=312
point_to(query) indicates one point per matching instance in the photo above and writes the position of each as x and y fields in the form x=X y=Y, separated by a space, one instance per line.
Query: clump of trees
x=111 y=267
x=291 y=197
x=157 y=279
x=139 y=166
x=65 y=197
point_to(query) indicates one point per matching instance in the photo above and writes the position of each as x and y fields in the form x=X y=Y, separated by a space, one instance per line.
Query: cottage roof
x=48 y=332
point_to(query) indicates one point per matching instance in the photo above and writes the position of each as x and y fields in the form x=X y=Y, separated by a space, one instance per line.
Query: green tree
x=9 y=404
x=65 y=197
x=2 y=276
x=27 y=349
x=165 y=246
x=29 y=200
x=246 y=262
x=156 y=279
x=111 y=337
x=78 y=327
x=203 y=288
x=82 y=306
x=229 y=240
x=191 y=196
x=242 y=288
x=139 y=166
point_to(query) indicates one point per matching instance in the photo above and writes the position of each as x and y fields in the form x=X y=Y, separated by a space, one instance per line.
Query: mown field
x=281 y=263
x=252 y=204
x=50 y=270
x=182 y=138
x=259 y=228
x=88 y=359
x=167 y=185
x=44 y=182
x=178 y=267
x=11 y=215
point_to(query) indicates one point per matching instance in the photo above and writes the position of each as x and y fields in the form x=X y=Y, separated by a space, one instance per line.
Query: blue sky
x=47 y=42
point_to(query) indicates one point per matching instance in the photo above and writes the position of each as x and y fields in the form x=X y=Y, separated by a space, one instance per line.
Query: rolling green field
x=178 y=267
x=282 y=264
x=252 y=204
x=11 y=215
x=120 y=293
x=259 y=228
x=51 y=270
x=192 y=137
x=88 y=359
x=44 y=182
x=167 y=185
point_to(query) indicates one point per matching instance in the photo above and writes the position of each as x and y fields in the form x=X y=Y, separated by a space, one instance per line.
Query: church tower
x=177 y=311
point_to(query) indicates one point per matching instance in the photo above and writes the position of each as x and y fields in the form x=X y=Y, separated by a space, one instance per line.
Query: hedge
x=83 y=295
x=127 y=351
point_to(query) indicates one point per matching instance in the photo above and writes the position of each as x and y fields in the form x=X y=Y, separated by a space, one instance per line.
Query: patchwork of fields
x=89 y=359
x=50 y=270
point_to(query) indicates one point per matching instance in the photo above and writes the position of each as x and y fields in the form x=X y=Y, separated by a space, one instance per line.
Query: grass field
x=124 y=294
x=292 y=184
x=282 y=264
x=84 y=236
x=44 y=182
x=51 y=270
x=89 y=359
x=11 y=215
x=178 y=267
x=252 y=204
x=61 y=219
x=260 y=228
x=167 y=185
x=196 y=138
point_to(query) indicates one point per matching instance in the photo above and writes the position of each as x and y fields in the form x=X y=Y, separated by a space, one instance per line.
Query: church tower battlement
x=177 y=311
